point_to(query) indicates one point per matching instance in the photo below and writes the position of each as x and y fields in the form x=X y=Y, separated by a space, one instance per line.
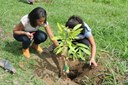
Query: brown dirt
x=49 y=65
x=47 y=68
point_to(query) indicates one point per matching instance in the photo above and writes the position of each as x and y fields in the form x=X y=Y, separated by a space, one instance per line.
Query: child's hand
x=30 y=35
x=92 y=61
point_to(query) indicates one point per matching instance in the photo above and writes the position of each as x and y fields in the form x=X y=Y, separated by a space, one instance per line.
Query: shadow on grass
x=13 y=47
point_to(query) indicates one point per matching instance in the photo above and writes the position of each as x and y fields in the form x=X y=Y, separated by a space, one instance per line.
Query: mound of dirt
x=49 y=65
x=48 y=68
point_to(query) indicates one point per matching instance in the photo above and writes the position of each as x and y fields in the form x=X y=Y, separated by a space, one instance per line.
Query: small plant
x=67 y=47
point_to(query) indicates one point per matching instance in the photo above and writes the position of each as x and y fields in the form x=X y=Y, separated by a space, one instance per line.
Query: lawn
x=107 y=18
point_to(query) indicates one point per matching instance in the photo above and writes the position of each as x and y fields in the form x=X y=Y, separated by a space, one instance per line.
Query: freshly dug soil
x=81 y=73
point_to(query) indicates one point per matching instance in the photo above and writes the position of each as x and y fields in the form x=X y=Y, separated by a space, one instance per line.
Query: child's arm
x=50 y=34
x=18 y=29
x=93 y=50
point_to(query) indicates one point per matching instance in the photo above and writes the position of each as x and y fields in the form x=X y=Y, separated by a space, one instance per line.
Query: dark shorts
x=83 y=41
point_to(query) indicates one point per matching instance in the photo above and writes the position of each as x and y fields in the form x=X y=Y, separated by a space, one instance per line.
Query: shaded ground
x=47 y=69
x=81 y=73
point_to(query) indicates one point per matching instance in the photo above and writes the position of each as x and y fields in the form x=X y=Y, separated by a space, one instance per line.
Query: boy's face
x=40 y=21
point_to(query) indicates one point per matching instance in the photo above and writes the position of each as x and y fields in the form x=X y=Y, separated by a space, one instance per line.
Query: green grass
x=107 y=18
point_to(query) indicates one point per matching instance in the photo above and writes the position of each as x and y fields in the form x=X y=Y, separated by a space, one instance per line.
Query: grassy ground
x=107 y=18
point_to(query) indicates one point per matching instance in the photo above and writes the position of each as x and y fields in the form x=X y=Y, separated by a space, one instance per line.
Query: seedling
x=67 y=47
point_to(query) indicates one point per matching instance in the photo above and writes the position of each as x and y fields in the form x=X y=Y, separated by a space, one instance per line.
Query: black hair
x=35 y=14
x=73 y=21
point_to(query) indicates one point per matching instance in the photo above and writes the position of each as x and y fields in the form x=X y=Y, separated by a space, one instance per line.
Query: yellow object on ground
x=26 y=53
x=38 y=48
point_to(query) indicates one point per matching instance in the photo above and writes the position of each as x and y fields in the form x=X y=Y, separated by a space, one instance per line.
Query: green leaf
x=69 y=43
x=58 y=47
x=82 y=45
x=86 y=51
x=82 y=58
x=77 y=27
x=59 y=50
x=75 y=33
x=60 y=27
x=81 y=55
x=70 y=46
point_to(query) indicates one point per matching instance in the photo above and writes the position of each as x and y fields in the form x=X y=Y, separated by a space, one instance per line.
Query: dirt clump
x=48 y=66
x=81 y=73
